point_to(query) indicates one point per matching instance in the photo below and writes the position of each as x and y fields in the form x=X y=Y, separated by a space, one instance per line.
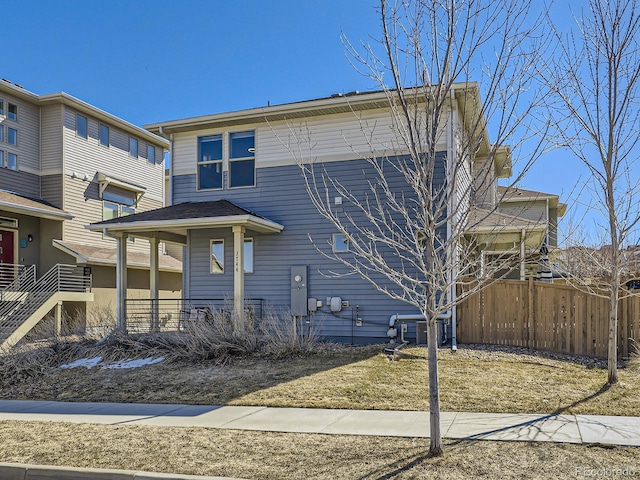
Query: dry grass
x=309 y=375
x=477 y=379
x=259 y=455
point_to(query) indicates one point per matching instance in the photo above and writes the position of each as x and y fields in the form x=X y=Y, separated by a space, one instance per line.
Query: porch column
x=121 y=282
x=153 y=283
x=238 y=277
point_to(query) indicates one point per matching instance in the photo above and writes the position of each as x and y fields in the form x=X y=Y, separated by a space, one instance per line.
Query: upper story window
x=151 y=154
x=242 y=159
x=117 y=203
x=104 y=135
x=133 y=147
x=12 y=136
x=13 y=111
x=12 y=161
x=81 y=126
x=210 y=162
x=1 y=107
x=1 y=133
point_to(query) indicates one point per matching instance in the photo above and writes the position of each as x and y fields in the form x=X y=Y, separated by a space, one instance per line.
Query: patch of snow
x=83 y=362
x=124 y=364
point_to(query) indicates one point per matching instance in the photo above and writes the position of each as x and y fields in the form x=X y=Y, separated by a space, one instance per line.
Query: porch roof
x=15 y=203
x=171 y=223
x=496 y=228
x=92 y=255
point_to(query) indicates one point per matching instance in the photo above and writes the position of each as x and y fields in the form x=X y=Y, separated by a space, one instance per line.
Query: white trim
x=252 y=222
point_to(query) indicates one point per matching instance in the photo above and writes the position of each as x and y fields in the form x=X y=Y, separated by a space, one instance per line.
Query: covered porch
x=173 y=224
x=505 y=242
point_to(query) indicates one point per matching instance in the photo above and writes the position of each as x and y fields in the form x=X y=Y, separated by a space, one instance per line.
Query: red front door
x=6 y=257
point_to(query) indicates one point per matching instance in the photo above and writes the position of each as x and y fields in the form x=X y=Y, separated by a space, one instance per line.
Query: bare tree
x=594 y=78
x=410 y=231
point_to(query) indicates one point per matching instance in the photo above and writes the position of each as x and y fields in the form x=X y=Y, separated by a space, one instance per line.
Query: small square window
x=217 y=256
x=12 y=161
x=13 y=111
x=81 y=126
x=133 y=147
x=12 y=136
x=151 y=154
x=104 y=135
x=340 y=243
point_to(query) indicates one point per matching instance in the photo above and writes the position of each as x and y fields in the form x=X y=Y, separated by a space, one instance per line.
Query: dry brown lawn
x=259 y=455
x=473 y=379
x=481 y=379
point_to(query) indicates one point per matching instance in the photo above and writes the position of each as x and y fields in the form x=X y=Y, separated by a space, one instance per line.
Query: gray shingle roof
x=184 y=211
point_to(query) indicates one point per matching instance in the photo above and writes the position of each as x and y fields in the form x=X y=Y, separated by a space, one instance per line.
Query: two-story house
x=65 y=164
x=240 y=206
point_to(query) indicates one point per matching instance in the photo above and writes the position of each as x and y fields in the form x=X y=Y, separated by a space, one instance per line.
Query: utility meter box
x=299 y=291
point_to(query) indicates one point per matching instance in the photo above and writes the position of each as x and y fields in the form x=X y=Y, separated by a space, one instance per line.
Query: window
x=1 y=158
x=12 y=161
x=133 y=147
x=340 y=243
x=151 y=154
x=242 y=159
x=116 y=204
x=248 y=255
x=1 y=133
x=81 y=126
x=217 y=256
x=1 y=107
x=12 y=136
x=119 y=196
x=104 y=135
x=110 y=210
x=13 y=111
x=210 y=162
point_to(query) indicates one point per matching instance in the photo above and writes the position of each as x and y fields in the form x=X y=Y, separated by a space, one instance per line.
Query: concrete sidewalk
x=608 y=430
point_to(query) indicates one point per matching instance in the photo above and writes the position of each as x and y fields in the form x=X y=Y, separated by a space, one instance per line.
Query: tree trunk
x=612 y=354
x=435 y=449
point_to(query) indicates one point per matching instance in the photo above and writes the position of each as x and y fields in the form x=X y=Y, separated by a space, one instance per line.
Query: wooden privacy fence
x=543 y=316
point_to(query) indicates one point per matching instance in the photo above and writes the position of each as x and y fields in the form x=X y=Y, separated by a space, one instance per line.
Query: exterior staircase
x=25 y=301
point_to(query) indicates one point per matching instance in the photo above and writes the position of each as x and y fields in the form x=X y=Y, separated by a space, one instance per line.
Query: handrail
x=60 y=278
x=17 y=288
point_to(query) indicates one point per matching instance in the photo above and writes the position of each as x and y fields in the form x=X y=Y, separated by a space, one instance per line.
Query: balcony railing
x=163 y=315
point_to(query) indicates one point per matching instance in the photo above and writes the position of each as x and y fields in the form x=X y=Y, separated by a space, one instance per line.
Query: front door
x=7 y=273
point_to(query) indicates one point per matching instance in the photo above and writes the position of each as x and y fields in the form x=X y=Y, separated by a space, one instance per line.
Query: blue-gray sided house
x=240 y=207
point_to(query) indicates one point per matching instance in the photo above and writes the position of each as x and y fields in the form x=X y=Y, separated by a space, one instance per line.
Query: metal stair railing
x=61 y=278
x=15 y=291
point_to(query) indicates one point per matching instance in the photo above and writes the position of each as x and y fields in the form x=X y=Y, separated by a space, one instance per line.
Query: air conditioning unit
x=421 y=333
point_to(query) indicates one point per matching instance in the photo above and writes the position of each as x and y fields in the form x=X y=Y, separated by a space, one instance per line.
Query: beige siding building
x=63 y=165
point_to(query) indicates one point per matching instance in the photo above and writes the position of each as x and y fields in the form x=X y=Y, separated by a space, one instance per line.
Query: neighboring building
x=240 y=206
x=520 y=222
x=65 y=164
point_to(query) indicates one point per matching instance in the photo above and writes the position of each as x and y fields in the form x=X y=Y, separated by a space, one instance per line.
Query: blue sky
x=153 y=60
